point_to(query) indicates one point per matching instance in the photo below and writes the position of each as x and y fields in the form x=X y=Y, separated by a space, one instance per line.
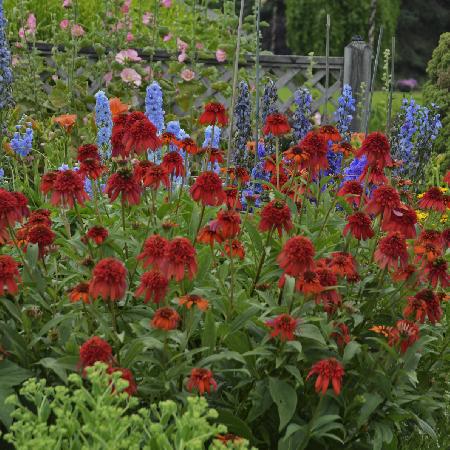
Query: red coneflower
x=214 y=114
x=360 y=226
x=118 y=133
x=154 y=285
x=433 y=236
x=168 y=138
x=208 y=235
x=276 y=215
x=140 y=169
x=140 y=134
x=174 y=164
x=297 y=256
x=193 y=300
x=343 y=264
x=327 y=370
x=41 y=235
x=124 y=184
x=404 y=273
x=240 y=174
x=156 y=175
x=97 y=234
x=108 y=280
x=446 y=237
x=427 y=250
x=424 y=303
x=279 y=181
x=189 y=146
x=330 y=133
x=47 y=181
x=9 y=213
x=227 y=223
x=23 y=210
x=154 y=251
x=9 y=275
x=202 y=380
x=232 y=199
x=215 y=155
x=352 y=191
x=208 y=189
x=391 y=251
x=330 y=298
x=434 y=199
x=405 y=333
x=165 y=319
x=80 y=292
x=68 y=189
x=95 y=350
x=127 y=375
x=236 y=249
x=180 y=257
x=377 y=149
x=374 y=175
x=341 y=334
x=447 y=178
x=276 y=124
x=283 y=326
x=308 y=283
x=437 y=272
x=382 y=201
x=270 y=163
x=402 y=219
x=345 y=148
x=315 y=145
x=90 y=161
x=229 y=437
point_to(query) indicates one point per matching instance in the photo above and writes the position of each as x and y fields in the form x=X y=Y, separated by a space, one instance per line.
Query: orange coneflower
x=193 y=300
x=66 y=121
x=117 y=107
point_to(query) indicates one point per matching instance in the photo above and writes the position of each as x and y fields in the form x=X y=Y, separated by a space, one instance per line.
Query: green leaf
x=351 y=349
x=371 y=403
x=234 y=424
x=209 y=334
x=53 y=364
x=11 y=374
x=425 y=427
x=310 y=331
x=6 y=410
x=130 y=352
x=285 y=397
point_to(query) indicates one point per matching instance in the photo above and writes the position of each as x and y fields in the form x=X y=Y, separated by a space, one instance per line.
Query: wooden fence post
x=357 y=68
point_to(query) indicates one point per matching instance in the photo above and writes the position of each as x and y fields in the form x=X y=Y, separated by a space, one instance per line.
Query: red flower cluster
x=154 y=285
x=283 y=326
x=108 y=280
x=276 y=215
x=391 y=251
x=276 y=124
x=67 y=189
x=97 y=234
x=174 y=164
x=9 y=275
x=435 y=199
x=139 y=134
x=352 y=191
x=383 y=201
x=297 y=256
x=165 y=319
x=123 y=183
x=424 y=303
x=377 y=150
x=208 y=190
x=360 y=226
x=227 y=224
x=155 y=175
x=80 y=292
x=327 y=370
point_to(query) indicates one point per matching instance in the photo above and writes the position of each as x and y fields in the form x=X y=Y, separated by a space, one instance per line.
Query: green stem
x=261 y=263
x=202 y=213
x=333 y=205
x=124 y=227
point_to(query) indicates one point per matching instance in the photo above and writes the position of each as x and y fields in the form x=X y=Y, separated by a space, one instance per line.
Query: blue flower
x=103 y=120
x=154 y=106
x=300 y=123
x=344 y=112
x=2 y=173
x=355 y=169
x=269 y=100
x=6 y=73
x=212 y=137
x=22 y=141
x=243 y=114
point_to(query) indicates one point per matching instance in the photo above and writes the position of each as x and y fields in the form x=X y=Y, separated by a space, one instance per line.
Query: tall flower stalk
x=154 y=109
x=242 y=112
x=103 y=120
x=300 y=119
x=6 y=74
x=344 y=112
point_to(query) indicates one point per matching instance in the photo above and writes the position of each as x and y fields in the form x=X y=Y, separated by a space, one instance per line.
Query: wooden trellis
x=288 y=71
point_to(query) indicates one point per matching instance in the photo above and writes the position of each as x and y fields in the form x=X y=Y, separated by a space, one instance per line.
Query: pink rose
x=64 y=24
x=166 y=3
x=187 y=75
x=67 y=3
x=31 y=24
x=77 y=30
x=21 y=32
x=147 y=17
x=131 y=76
x=221 y=55
x=127 y=55
x=182 y=57
x=130 y=37
x=126 y=7
x=167 y=37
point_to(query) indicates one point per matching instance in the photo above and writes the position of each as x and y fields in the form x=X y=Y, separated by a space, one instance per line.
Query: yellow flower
x=421 y=215
x=443 y=189
x=444 y=218
x=421 y=195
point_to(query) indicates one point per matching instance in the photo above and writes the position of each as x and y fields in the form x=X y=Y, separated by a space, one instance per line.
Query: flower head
x=123 y=183
x=80 y=292
x=156 y=175
x=377 y=150
x=402 y=219
x=174 y=164
x=127 y=375
x=9 y=275
x=283 y=326
x=435 y=199
x=352 y=191
x=154 y=285
x=97 y=234
x=108 y=280
x=208 y=189
x=193 y=300
x=214 y=114
x=93 y=350
x=424 y=303
x=297 y=256
x=139 y=134
x=436 y=271
x=202 y=380
x=383 y=200
x=341 y=334
x=235 y=249
x=327 y=370
x=360 y=226
x=227 y=224
x=165 y=319
x=180 y=257
x=276 y=215
x=41 y=235
x=68 y=189
x=391 y=251
x=154 y=251
x=276 y=124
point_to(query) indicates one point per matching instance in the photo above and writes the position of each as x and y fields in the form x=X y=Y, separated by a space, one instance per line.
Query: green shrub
x=100 y=417
x=437 y=90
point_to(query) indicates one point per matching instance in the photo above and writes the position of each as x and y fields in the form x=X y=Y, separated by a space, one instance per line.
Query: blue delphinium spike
x=154 y=109
x=103 y=120
x=300 y=119
x=344 y=112
x=242 y=114
x=6 y=73
x=22 y=141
